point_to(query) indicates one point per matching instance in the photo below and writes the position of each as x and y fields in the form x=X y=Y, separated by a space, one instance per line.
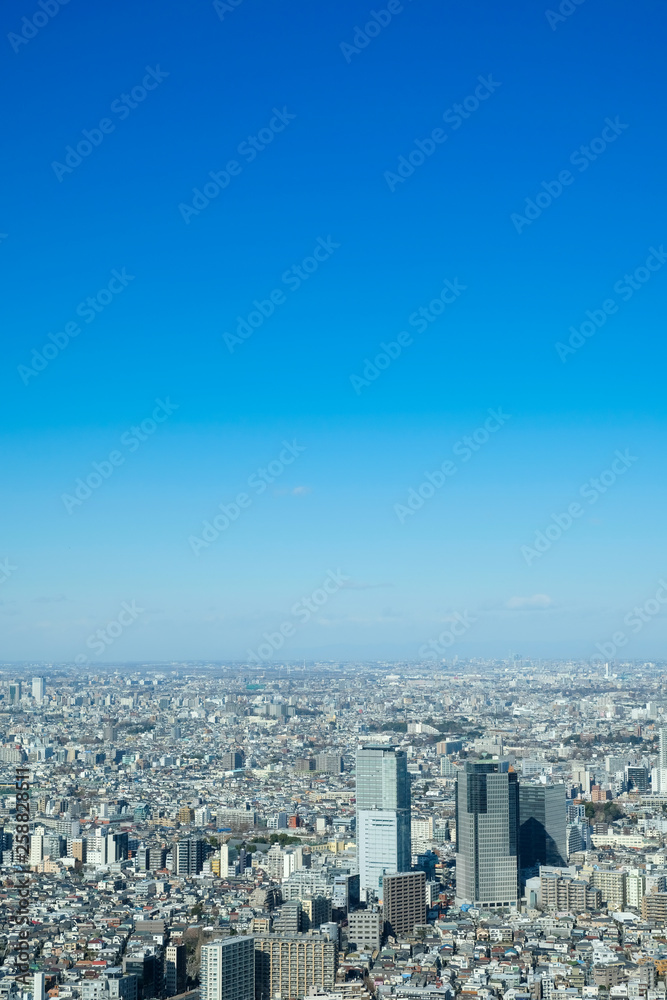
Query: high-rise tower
x=542 y=818
x=487 y=834
x=383 y=814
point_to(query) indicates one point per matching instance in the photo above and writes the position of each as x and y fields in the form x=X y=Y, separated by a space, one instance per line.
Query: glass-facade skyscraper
x=383 y=815
x=487 y=834
x=542 y=818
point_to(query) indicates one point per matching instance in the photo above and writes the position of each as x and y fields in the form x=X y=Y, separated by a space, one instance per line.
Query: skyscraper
x=487 y=834
x=659 y=772
x=383 y=814
x=228 y=969
x=38 y=689
x=663 y=748
x=542 y=818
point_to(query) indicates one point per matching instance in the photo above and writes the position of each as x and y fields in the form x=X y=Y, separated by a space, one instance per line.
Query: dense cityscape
x=476 y=829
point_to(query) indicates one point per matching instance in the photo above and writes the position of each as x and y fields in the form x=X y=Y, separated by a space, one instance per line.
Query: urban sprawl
x=474 y=830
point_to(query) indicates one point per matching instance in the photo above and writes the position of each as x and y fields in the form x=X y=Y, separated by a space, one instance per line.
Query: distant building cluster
x=476 y=831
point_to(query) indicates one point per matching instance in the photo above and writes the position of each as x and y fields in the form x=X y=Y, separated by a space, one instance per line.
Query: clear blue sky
x=331 y=126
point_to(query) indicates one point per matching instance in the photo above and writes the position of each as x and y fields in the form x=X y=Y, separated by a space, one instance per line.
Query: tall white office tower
x=383 y=815
x=228 y=969
x=659 y=772
x=38 y=689
x=662 y=761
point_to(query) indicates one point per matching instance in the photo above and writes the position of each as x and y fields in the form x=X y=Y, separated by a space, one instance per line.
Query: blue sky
x=332 y=128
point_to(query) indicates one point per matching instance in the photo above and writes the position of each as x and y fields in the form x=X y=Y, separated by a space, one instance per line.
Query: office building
x=542 y=823
x=232 y=760
x=447 y=768
x=636 y=779
x=120 y=846
x=147 y=967
x=659 y=773
x=228 y=969
x=329 y=763
x=289 y=966
x=662 y=748
x=15 y=693
x=38 y=689
x=487 y=834
x=345 y=894
x=121 y=987
x=305 y=764
x=383 y=815
x=175 y=978
x=403 y=902
x=364 y=929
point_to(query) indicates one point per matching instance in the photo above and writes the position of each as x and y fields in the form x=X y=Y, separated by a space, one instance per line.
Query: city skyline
x=206 y=829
